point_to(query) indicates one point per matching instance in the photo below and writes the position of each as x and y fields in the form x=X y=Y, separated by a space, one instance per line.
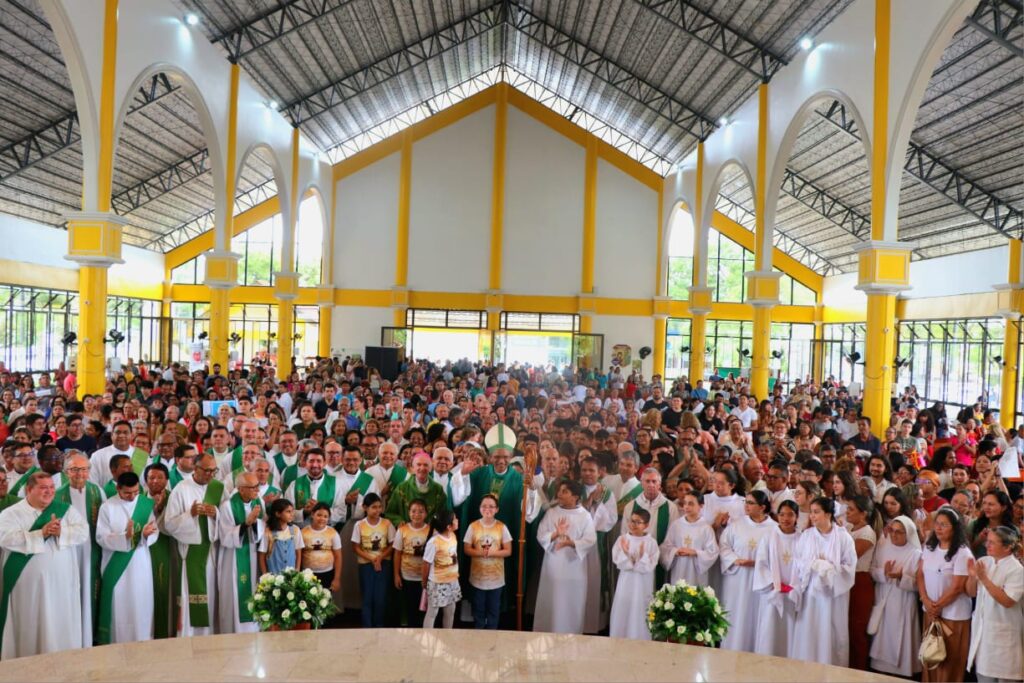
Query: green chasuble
x=405 y=493
x=508 y=487
x=93 y=500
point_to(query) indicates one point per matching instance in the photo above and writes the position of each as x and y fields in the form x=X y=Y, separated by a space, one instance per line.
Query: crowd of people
x=151 y=510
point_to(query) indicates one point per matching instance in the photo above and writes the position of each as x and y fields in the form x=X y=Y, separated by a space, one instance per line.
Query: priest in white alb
x=566 y=535
x=241 y=529
x=191 y=519
x=41 y=609
x=125 y=530
x=663 y=512
x=353 y=484
x=600 y=503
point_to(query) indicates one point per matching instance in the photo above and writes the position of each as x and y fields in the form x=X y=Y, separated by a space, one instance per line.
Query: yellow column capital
x=494 y=301
x=585 y=304
x=762 y=288
x=883 y=267
x=325 y=295
x=700 y=300
x=1009 y=300
x=286 y=286
x=221 y=269
x=94 y=238
x=662 y=307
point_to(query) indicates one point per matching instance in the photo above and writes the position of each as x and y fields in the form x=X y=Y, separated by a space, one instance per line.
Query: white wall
x=636 y=331
x=450 y=206
x=353 y=328
x=366 y=226
x=626 y=240
x=967 y=273
x=543 y=210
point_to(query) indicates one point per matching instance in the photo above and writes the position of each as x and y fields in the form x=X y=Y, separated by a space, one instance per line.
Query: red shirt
x=934 y=503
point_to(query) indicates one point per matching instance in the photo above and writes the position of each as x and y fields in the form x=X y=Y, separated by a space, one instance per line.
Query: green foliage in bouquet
x=290 y=598
x=681 y=613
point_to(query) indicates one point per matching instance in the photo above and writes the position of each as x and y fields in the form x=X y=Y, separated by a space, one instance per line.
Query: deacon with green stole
x=41 y=606
x=184 y=464
x=6 y=499
x=506 y=484
x=165 y=446
x=663 y=512
x=221 y=448
x=121 y=444
x=191 y=518
x=125 y=530
x=420 y=486
x=24 y=468
x=85 y=497
x=353 y=484
x=315 y=486
x=286 y=462
x=241 y=456
x=241 y=528
x=163 y=556
x=119 y=464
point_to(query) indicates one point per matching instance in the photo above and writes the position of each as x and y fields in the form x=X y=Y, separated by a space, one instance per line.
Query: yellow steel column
x=285 y=334
x=818 y=347
x=323 y=346
x=660 y=344
x=700 y=293
x=881 y=335
x=762 y=283
x=286 y=282
x=92 y=322
x=400 y=293
x=698 y=343
x=1011 y=306
x=586 y=308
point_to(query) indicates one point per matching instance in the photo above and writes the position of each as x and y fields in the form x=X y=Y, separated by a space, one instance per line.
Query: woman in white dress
x=737 y=550
x=773 y=579
x=690 y=548
x=826 y=563
x=997 y=580
x=894 y=619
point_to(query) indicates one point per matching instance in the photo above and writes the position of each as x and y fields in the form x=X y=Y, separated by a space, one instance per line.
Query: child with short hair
x=636 y=556
x=281 y=547
x=372 y=537
x=690 y=548
x=322 y=548
x=441 y=569
x=487 y=543
x=410 y=541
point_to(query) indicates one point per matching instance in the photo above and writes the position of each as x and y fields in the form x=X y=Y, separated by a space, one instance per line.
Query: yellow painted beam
x=402 y=235
x=880 y=118
x=589 y=216
x=105 y=171
x=786 y=263
x=498 y=187
x=1013 y=272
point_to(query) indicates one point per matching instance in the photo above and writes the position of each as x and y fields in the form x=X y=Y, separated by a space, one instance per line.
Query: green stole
x=195 y=562
x=661 y=530
x=628 y=498
x=22 y=481
x=236 y=462
x=324 y=494
x=92 y=513
x=398 y=475
x=243 y=558
x=139 y=458
x=16 y=562
x=448 y=494
x=602 y=553
x=110 y=489
x=7 y=501
x=289 y=473
x=175 y=477
x=163 y=574
x=117 y=565
x=362 y=483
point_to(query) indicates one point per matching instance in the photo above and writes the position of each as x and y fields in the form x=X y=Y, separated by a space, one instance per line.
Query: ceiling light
x=806 y=43
x=724 y=121
x=273 y=104
x=191 y=18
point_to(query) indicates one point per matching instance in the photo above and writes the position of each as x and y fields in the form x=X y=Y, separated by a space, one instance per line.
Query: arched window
x=309 y=236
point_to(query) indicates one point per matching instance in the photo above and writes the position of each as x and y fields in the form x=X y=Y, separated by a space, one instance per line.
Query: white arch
x=314 y=189
x=206 y=122
x=280 y=179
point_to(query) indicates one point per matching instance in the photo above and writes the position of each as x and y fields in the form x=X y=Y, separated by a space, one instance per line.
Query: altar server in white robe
x=690 y=549
x=722 y=506
x=826 y=562
x=997 y=629
x=352 y=485
x=193 y=505
x=235 y=534
x=600 y=503
x=737 y=550
x=43 y=606
x=636 y=556
x=895 y=617
x=118 y=531
x=566 y=534
x=773 y=580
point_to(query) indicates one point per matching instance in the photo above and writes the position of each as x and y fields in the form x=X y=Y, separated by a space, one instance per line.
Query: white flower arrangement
x=289 y=599
x=682 y=613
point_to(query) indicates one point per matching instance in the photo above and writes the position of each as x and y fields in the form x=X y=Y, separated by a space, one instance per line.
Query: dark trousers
x=412 y=593
x=486 y=607
x=374 y=587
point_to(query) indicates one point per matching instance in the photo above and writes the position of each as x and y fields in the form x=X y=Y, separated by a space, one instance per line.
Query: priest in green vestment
x=420 y=486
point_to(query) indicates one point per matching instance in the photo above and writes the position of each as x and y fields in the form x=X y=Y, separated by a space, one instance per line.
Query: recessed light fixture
x=724 y=121
x=273 y=104
x=191 y=18
x=806 y=43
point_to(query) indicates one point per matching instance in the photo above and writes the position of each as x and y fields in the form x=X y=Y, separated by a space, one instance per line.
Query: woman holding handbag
x=942 y=583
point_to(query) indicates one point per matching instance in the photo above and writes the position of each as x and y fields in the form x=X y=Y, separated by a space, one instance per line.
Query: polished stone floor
x=414 y=655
